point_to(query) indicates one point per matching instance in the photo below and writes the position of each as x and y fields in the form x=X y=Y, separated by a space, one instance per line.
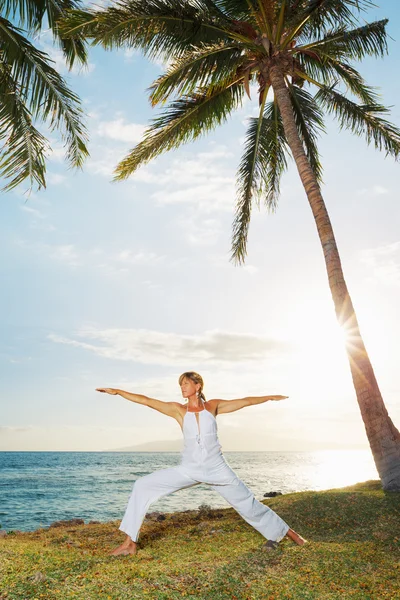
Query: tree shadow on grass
x=357 y=513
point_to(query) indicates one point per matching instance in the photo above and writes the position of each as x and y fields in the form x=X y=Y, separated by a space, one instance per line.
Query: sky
x=129 y=284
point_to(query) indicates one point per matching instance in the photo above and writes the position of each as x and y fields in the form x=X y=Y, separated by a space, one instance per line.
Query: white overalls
x=202 y=462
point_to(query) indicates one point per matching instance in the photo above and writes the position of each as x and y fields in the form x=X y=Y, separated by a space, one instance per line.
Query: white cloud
x=251 y=269
x=38 y=219
x=200 y=232
x=384 y=263
x=151 y=285
x=32 y=211
x=216 y=194
x=41 y=226
x=375 y=190
x=189 y=171
x=103 y=160
x=56 y=178
x=121 y=131
x=57 y=151
x=204 y=180
x=65 y=253
x=110 y=263
x=156 y=347
x=131 y=54
x=139 y=258
x=11 y=429
x=380 y=190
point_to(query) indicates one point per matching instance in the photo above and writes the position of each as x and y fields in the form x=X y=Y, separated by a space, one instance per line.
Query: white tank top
x=200 y=434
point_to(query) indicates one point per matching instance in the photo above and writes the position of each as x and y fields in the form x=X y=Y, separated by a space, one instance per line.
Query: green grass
x=353 y=553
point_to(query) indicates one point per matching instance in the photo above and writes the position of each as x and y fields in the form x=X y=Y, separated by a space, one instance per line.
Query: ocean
x=37 y=488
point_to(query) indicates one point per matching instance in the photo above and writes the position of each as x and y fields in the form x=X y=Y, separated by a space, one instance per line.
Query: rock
x=155 y=516
x=94 y=523
x=272 y=494
x=70 y=522
x=3 y=533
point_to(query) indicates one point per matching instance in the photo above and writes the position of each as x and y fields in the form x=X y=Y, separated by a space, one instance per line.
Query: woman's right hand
x=111 y=391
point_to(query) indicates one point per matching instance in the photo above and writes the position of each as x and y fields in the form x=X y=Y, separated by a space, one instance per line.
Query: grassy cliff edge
x=353 y=552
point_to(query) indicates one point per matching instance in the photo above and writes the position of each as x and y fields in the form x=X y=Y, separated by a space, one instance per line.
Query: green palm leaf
x=23 y=154
x=309 y=121
x=362 y=120
x=239 y=9
x=329 y=71
x=30 y=16
x=197 y=68
x=184 y=120
x=158 y=27
x=353 y=80
x=259 y=174
x=369 y=40
x=314 y=18
x=73 y=48
x=44 y=90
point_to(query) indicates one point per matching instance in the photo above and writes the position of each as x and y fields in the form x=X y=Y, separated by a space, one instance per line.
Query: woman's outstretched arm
x=171 y=409
x=228 y=406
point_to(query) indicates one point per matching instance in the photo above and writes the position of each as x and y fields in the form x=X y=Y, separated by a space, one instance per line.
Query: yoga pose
x=202 y=462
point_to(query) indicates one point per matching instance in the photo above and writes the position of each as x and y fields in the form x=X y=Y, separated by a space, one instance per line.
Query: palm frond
x=25 y=12
x=259 y=173
x=24 y=149
x=30 y=16
x=184 y=120
x=243 y=10
x=355 y=44
x=158 y=27
x=330 y=72
x=249 y=180
x=74 y=49
x=199 y=67
x=314 y=18
x=43 y=90
x=275 y=149
x=284 y=9
x=353 y=80
x=309 y=122
x=362 y=120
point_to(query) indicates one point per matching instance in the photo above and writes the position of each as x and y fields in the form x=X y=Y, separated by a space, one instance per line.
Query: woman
x=202 y=462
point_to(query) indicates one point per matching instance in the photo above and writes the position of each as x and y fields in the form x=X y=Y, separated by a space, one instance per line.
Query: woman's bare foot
x=296 y=537
x=127 y=547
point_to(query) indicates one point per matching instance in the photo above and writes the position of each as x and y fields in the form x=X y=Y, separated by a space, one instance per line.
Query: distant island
x=229 y=446
x=157 y=446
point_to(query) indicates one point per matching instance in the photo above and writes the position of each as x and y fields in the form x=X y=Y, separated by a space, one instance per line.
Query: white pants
x=150 y=488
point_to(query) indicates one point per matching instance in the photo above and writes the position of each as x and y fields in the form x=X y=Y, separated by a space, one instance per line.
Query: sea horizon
x=40 y=487
x=328 y=449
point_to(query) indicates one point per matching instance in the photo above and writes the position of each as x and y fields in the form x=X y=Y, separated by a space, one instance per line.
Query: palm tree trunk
x=382 y=435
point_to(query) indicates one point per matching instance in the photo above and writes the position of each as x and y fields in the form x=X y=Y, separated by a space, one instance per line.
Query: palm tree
x=300 y=52
x=31 y=90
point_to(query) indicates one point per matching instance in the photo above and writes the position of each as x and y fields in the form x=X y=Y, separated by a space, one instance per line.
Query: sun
x=320 y=342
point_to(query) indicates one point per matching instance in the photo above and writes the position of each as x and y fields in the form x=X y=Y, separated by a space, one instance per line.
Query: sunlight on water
x=339 y=468
x=37 y=488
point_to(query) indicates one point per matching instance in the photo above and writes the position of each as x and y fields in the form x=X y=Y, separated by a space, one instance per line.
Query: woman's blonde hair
x=196 y=378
